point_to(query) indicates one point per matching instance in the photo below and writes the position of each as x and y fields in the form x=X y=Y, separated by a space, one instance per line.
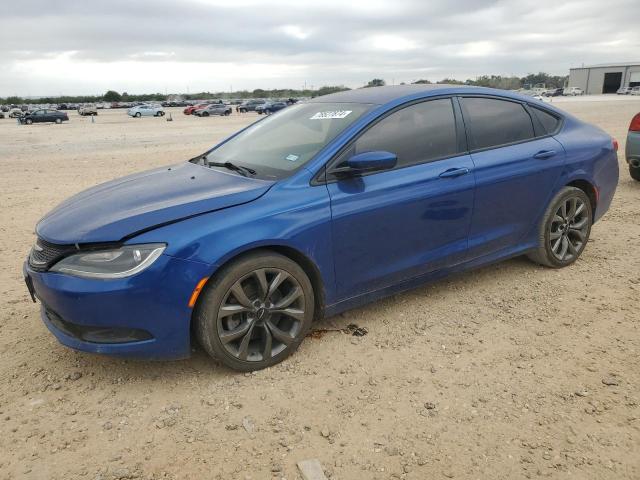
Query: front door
x=393 y=225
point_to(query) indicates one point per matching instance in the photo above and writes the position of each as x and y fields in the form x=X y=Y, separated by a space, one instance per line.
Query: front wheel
x=564 y=230
x=58 y=121
x=255 y=312
x=138 y=115
x=28 y=121
x=635 y=172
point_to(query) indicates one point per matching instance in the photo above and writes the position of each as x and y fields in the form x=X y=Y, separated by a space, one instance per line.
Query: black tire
x=227 y=113
x=58 y=121
x=557 y=230
x=634 y=172
x=243 y=110
x=205 y=114
x=28 y=121
x=138 y=115
x=258 y=324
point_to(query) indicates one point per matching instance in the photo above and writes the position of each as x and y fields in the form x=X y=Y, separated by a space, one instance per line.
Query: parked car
x=191 y=108
x=554 y=92
x=624 y=90
x=146 y=111
x=250 y=106
x=574 y=91
x=270 y=108
x=635 y=91
x=15 y=113
x=632 y=148
x=88 y=109
x=336 y=202
x=42 y=116
x=1 y=114
x=214 y=109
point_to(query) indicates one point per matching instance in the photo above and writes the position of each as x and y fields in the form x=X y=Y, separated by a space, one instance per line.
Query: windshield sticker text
x=330 y=114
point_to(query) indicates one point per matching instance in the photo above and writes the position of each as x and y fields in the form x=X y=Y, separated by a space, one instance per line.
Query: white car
x=146 y=111
x=574 y=91
x=635 y=91
x=88 y=109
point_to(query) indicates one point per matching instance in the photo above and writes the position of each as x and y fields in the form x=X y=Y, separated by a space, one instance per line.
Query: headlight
x=115 y=263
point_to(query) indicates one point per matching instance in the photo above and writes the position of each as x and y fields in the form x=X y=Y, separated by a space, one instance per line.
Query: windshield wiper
x=232 y=166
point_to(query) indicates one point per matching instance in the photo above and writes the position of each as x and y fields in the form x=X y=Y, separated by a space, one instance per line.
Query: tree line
x=493 y=81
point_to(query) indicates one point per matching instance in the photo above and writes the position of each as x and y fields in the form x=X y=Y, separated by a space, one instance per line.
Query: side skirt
x=360 y=300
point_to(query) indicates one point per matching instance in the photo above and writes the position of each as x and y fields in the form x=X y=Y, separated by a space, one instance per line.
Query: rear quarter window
x=549 y=122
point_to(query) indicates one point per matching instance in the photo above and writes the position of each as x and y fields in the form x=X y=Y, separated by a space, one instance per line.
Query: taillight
x=615 y=144
x=635 y=124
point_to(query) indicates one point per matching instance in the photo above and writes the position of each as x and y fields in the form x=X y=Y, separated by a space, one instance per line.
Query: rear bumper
x=145 y=316
x=632 y=148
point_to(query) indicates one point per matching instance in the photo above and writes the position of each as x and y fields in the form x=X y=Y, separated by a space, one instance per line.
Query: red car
x=190 y=109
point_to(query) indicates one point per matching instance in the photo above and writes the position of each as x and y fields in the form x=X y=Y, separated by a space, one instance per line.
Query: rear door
x=393 y=225
x=517 y=167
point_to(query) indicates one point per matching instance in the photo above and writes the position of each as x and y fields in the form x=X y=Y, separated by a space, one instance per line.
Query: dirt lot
x=512 y=371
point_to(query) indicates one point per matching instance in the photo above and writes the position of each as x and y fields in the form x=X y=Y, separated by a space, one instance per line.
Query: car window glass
x=284 y=142
x=419 y=133
x=494 y=122
x=548 y=121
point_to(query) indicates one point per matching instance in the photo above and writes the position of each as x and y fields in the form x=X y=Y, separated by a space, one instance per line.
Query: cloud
x=75 y=46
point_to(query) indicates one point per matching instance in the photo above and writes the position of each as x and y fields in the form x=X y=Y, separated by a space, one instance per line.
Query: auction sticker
x=330 y=114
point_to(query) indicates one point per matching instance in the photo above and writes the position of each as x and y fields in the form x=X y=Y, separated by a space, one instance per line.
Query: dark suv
x=250 y=106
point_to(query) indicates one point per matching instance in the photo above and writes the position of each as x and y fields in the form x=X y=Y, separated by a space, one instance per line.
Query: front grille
x=44 y=254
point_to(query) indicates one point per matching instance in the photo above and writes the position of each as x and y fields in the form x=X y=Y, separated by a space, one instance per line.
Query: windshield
x=284 y=141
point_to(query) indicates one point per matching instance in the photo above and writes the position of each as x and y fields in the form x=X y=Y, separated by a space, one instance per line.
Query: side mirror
x=368 y=162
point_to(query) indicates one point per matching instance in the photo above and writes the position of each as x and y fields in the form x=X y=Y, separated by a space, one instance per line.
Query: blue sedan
x=319 y=208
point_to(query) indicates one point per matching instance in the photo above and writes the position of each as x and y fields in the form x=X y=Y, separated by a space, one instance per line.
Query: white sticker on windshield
x=292 y=157
x=330 y=114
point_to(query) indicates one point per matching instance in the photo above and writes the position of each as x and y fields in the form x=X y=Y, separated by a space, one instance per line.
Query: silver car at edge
x=632 y=148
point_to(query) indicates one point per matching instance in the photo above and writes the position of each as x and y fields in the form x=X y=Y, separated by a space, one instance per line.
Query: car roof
x=387 y=94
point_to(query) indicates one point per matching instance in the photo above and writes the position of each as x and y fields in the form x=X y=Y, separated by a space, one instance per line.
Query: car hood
x=123 y=207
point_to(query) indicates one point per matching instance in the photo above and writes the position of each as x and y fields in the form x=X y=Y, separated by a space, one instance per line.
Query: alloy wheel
x=261 y=315
x=568 y=229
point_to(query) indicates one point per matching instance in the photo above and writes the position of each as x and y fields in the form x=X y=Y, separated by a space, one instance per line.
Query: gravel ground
x=511 y=371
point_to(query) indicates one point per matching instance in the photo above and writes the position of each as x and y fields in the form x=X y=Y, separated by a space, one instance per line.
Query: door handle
x=545 y=154
x=454 y=172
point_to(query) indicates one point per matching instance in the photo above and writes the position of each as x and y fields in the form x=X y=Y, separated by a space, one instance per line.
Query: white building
x=605 y=78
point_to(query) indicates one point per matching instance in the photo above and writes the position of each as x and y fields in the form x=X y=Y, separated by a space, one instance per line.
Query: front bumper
x=145 y=316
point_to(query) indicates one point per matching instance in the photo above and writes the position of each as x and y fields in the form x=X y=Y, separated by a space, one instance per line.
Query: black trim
x=94 y=334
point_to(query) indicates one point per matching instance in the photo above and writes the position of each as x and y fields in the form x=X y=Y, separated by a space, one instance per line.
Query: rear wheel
x=634 y=172
x=255 y=312
x=243 y=110
x=138 y=115
x=227 y=113
x=205 y=114
x=564 y=230
x=28 y=121
x=58 y=120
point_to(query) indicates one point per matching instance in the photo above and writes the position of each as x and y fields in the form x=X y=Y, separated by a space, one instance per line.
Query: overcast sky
x=51 y=47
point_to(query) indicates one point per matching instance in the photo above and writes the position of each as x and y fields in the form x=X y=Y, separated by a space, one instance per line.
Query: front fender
x=295 y=216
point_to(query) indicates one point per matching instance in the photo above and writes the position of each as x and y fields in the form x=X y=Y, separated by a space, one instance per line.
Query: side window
x=548 y=121
x=419 y=133
x=492 y=122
